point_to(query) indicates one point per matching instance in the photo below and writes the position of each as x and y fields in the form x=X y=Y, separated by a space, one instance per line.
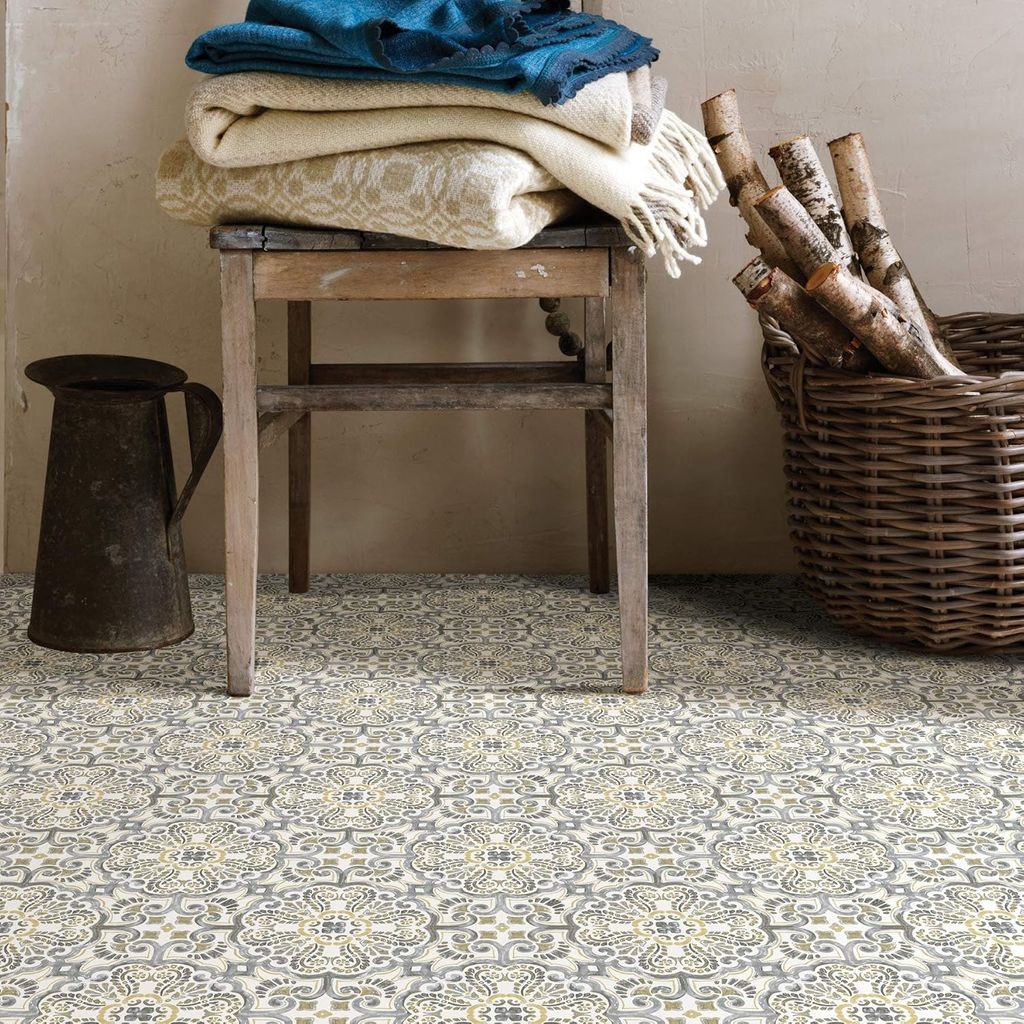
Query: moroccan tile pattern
x=438 y=810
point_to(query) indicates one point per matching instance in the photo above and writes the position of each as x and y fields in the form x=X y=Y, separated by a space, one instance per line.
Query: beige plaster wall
x=96 y=88
x=3 y=313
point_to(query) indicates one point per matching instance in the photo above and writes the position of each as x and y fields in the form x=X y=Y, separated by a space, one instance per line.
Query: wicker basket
x=906 y=497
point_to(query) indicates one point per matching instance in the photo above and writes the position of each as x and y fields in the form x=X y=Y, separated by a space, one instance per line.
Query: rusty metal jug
x=110 y=575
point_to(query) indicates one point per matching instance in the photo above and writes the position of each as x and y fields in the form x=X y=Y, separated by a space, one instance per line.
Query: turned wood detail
x=559 y=324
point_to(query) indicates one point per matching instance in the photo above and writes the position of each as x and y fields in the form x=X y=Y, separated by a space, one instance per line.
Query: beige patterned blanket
x=462 y=194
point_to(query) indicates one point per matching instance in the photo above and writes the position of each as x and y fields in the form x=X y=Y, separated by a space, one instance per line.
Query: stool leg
x=241 y=467
x=300 y=342
x=629 y=388
x=596 y=360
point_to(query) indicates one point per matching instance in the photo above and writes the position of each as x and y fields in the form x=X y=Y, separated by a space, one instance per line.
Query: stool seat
x=591 y=231
x=590 y=258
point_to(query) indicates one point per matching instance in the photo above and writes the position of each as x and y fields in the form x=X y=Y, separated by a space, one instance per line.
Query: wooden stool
x=593 y=261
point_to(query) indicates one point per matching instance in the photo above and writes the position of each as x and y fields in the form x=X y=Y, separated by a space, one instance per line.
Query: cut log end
x=821 y=275
x=721 y=115
x=769 y=195
x=759 y=291
x=852 y=137
x=781 y=147
x=725 y=98
x=752 y=276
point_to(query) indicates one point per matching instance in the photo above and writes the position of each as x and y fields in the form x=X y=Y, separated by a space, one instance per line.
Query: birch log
x=743 y=177
x=748 y=279
x=802 y=239
x=721 y=116
x=896 y=342
x=825 y=341
x=865 y=218
x=803 y=174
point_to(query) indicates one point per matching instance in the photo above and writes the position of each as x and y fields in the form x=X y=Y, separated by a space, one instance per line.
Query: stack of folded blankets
x=468 y=123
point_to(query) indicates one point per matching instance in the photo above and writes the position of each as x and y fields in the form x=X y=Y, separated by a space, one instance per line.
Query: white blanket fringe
x=683 y=179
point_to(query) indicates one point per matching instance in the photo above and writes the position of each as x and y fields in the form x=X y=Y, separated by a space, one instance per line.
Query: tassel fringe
x=683 y=180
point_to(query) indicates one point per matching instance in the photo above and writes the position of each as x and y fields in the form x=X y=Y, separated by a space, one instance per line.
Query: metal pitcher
x=111 y=573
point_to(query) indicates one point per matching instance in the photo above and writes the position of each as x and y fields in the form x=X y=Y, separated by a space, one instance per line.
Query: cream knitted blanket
x=245 y=111
x=657 y=191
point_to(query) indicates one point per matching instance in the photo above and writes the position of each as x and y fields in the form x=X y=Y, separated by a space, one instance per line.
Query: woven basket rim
x=782 y=345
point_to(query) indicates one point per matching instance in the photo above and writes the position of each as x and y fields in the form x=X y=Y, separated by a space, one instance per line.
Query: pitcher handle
x=205 y=422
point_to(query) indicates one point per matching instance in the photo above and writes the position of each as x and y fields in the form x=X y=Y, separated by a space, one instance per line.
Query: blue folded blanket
x=504 y=45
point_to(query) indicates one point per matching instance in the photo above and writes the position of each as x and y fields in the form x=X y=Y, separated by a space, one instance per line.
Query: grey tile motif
x=437 y=809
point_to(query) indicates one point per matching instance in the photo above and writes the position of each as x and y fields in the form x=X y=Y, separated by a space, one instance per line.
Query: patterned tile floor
x=438 y=810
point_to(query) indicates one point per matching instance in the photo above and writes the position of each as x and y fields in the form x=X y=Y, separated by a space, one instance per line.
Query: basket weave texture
x=906 y=497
